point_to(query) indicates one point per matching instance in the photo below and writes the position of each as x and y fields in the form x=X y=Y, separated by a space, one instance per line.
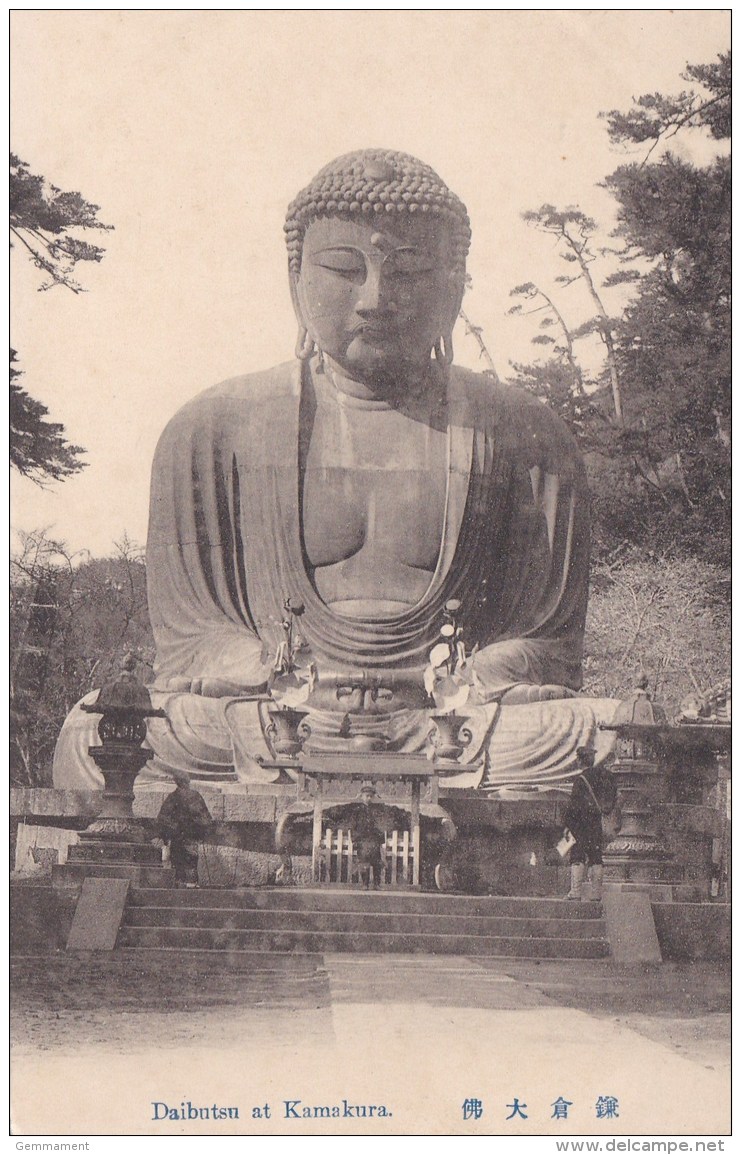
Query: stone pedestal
x=115 y=844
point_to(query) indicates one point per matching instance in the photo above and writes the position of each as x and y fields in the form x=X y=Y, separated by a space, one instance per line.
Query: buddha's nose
x=376 y=296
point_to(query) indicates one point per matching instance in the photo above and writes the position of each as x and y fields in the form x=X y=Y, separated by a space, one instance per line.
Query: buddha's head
x=377 y=247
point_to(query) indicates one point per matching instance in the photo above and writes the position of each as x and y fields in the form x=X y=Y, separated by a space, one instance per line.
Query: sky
x=193 y=130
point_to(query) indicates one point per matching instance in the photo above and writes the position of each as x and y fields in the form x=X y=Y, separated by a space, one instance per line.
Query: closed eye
x=410 y=262
x=347 y=261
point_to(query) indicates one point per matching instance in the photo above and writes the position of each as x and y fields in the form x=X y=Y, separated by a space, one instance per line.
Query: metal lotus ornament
x=290 y=685
x=448 y=681
x=292 y=679
x=447 y=678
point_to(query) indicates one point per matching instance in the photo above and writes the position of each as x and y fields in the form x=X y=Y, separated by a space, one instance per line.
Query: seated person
x=368 y=836
x=372 y=482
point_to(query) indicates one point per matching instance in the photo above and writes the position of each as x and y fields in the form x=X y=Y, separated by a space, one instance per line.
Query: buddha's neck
x=417 y=390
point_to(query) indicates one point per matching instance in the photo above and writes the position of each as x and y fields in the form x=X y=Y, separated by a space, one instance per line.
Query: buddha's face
x=377 y=295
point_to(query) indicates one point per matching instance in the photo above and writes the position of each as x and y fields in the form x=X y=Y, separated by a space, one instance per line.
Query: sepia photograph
x=370 y=586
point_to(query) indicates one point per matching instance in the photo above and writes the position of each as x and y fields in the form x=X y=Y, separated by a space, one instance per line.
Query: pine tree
x=47 y=223
x=38 y=448
x=673 y=341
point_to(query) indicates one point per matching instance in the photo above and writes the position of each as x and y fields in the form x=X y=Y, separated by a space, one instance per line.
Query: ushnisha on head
x=370 y=182
x=377 y=247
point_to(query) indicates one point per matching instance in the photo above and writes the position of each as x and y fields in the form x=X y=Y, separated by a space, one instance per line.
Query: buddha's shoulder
x=238 y=398
x=514 y=415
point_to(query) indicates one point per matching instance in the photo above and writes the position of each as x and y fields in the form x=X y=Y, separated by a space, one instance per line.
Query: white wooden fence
x=337 y=860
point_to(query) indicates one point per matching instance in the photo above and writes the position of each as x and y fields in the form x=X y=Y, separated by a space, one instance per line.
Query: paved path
x=98 y=1040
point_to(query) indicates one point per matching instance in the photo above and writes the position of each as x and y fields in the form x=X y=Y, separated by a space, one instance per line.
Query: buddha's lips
x=377 y=331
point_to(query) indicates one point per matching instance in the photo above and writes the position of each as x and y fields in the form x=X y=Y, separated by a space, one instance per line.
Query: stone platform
x=504 y=846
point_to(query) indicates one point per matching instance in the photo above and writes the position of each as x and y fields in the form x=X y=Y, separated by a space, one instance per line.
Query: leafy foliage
x=41 y=217
x=557 y=384
x=657 y=118
x=573 y=231
x=38 y=448
x=71 y=620
x=673 y=341
x=656 y=428
x=667 y=619
x=45 y=221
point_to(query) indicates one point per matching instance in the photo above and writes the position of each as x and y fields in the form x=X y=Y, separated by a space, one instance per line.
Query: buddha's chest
x=374 y=482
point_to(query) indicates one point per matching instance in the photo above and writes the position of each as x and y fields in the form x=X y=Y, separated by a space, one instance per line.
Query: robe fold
x=225 y=549
x=225 y=543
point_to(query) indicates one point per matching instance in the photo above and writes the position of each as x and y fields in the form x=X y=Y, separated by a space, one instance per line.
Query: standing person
x=184 y=821
x=593 y=795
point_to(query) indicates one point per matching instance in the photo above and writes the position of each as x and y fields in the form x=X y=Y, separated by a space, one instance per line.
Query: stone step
x=375 y=922
x=158 y=938
x=361 y=901
x=664 y=892
x=154 y=877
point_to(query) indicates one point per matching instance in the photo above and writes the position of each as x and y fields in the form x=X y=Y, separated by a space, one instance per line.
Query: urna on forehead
x=377 y=183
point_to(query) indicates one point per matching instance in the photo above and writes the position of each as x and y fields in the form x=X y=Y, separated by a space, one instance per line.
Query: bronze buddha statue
x=371 y=481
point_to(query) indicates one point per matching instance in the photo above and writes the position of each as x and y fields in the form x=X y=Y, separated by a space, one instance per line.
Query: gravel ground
x=453 y=1023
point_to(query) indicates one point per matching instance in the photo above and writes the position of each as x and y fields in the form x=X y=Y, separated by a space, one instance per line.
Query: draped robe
x=225 y=550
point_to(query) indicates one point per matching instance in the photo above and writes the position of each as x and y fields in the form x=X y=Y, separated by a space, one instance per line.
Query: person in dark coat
x=369 y=837
x=369 y=821
x=184 y=821
x=593 y=794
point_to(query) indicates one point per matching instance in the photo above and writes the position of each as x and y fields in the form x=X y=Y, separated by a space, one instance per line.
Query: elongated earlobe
x=444 y=350
x=304 y=344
